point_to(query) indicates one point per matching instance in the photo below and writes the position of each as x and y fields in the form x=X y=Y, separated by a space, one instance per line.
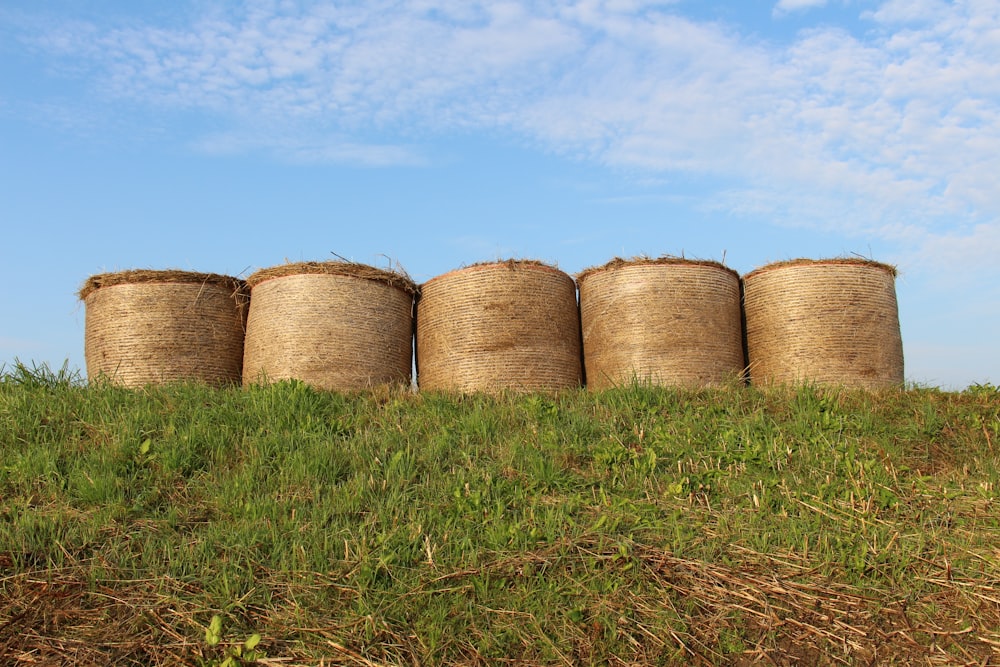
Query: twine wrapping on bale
x=831 y=321
x=334 y=325
x=145 y=327
x=495 y=326
x=670 y=321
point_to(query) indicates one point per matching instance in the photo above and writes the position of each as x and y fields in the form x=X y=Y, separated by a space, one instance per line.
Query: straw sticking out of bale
x=334 y=325
x=396 y=279
x=669 y=321
x=147 y=326
x=505 y=325
x=830 y=321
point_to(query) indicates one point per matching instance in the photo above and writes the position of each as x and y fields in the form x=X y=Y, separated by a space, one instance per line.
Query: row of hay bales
x=520 y=325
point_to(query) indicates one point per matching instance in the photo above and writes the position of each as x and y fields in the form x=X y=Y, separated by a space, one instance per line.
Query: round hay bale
x=505 y=325
x=146 y=327
x=832 y=321
x=669 y=321
x=334 y=325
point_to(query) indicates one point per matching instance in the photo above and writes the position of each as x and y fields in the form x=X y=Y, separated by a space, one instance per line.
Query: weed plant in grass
x=638 y=525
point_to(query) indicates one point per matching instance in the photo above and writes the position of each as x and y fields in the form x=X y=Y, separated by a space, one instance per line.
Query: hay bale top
x=335 y=268
x=512 y=264
x=148 y=276
x=619 y=263
x=834 y=261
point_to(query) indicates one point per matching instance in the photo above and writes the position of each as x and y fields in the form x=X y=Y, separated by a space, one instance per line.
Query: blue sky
x=232 y=136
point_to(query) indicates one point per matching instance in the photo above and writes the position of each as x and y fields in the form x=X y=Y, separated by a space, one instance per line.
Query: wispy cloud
x=954 y=255
x=307 y=149
x=890 y=133
x=787 y=6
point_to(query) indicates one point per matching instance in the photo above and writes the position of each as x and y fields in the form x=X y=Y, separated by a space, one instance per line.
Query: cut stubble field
x=636 y=525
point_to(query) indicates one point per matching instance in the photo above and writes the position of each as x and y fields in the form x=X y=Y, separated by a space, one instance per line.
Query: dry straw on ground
x=670 y=321
x=830 y=321
x=504 y=325
x=146 y=326
x=335 y=325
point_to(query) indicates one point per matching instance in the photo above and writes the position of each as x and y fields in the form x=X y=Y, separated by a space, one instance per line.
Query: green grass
x=640 y=525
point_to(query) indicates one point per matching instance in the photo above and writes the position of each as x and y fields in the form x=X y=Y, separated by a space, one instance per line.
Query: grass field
x=635 y=526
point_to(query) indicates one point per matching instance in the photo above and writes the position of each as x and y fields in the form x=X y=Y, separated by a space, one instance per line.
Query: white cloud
x=306 y=150
x=895 y=133
x=957 y=257
x=786 y=6
x=911 y=11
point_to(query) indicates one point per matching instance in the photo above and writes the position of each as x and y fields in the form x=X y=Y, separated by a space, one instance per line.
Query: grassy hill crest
x=638 y=525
